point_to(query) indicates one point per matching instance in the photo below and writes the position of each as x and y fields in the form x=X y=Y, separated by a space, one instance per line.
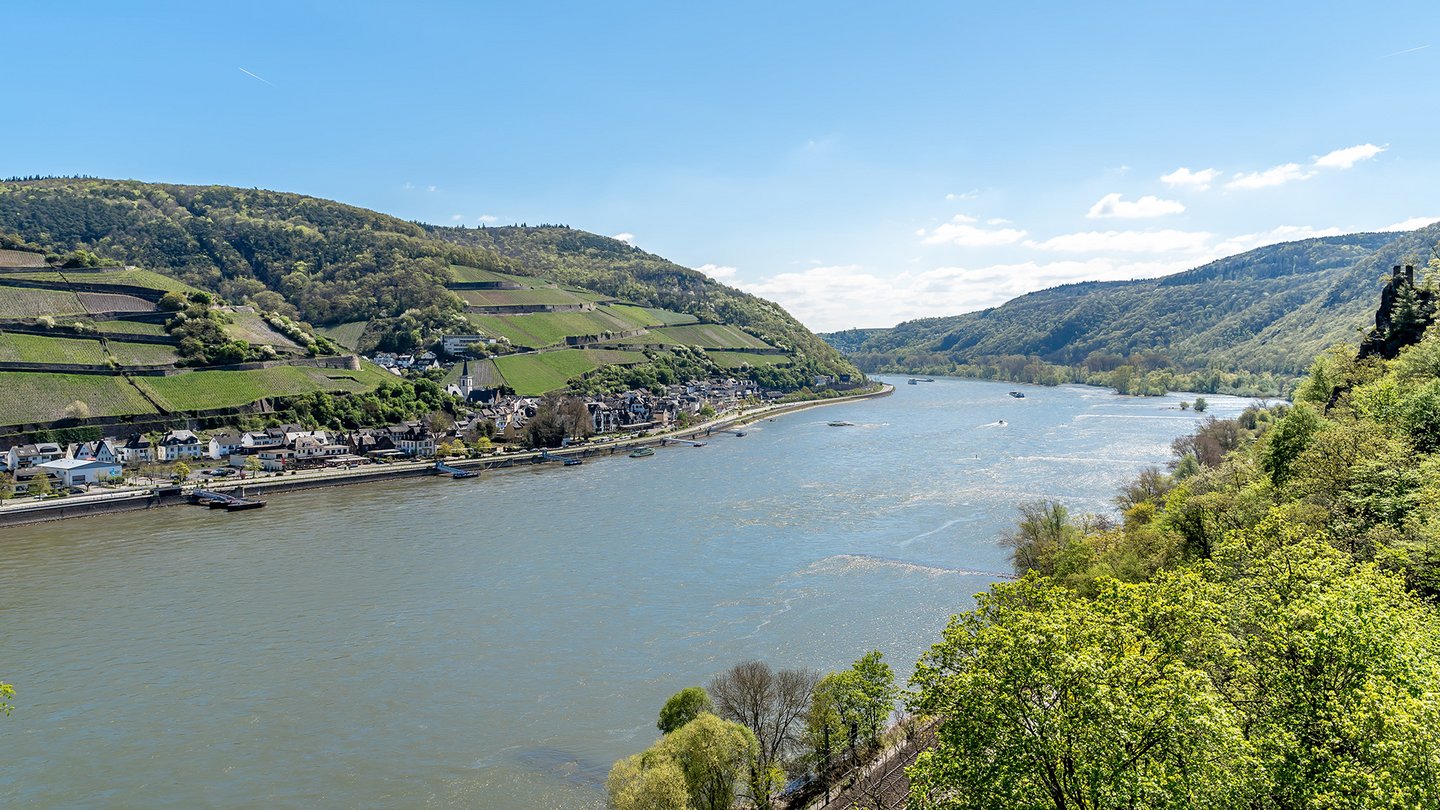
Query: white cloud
x=844 y=296
x=1349 y=156
x=627 y=238
x=457 y=217
x=969 y=195
x=408 y=185
x=960 y=231
x=1199 y=181
x=717 y=271
x=1274 y=176
x=431 y=188
x=997 y=221
x=1411 y=224
x=1164 y=241
x=1112 y=206
x=487 y=218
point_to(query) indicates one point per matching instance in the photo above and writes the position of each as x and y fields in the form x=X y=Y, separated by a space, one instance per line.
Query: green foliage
x=1059 y=701
x=708 y=753
x=7 y=693
x=647 y=781
x=682 y=707
x=1288 y=440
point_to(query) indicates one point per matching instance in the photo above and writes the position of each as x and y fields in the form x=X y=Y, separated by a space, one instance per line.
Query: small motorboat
x=913 y=381
x=641 y=452
x=842 y=424
x=573 y=462
x=1001 y=423
x=1018 y=394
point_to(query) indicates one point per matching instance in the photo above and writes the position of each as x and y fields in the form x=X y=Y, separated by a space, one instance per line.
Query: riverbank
x=22 y=513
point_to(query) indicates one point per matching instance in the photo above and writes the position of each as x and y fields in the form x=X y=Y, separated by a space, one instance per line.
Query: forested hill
x=328 y=263
x=1267 y=312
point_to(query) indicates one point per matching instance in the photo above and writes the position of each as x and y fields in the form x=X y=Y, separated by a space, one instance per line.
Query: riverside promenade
x=14 y=513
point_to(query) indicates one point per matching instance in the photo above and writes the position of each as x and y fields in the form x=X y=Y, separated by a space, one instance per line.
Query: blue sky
x=858 y=163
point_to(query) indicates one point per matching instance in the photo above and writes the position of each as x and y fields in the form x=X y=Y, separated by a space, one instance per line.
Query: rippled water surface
x=498 y=642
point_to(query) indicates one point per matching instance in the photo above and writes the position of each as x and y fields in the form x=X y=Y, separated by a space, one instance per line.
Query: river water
x=499 y=642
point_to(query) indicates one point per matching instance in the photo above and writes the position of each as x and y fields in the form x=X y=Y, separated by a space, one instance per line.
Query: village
x=493 y=423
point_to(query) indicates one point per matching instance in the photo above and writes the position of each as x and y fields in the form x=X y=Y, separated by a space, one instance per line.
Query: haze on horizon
x=860 y=168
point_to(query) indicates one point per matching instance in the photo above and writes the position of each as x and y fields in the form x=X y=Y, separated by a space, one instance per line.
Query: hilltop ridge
x=1258 y=316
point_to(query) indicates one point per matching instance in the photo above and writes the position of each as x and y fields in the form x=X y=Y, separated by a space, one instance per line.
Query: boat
x=641 y=452
x=842 y=424
x=220 y=503
x=573 y=462
x=1001 y=423
x=1018 y=394
x=239 y=505
x=913 y=381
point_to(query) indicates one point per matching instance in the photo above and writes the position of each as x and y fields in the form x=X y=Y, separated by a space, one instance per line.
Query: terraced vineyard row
x=38 y=397
x=208 y=390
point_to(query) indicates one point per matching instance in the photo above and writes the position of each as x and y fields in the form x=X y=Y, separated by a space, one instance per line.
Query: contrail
x=252 y=75
x=1407 y=50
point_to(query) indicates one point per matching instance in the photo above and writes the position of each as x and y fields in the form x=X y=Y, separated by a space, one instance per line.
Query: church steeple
x=467 y=383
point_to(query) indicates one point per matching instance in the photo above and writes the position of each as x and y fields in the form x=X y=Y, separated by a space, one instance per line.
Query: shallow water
x=499 y=642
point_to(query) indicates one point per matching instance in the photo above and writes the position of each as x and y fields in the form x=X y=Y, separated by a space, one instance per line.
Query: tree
x=770 y=704
x=252 y=464
x=712 y=753
x=182 y=471
x=40 y=484
x=682 y=707
x=7 y=486
x=1287 y=440
x=1051 y=700
x=1201 y=405
x=7 y=692
x=852 y=705
x=1044 y=530
x=647 y=781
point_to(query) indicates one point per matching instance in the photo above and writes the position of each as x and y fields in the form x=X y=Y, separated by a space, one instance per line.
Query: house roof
x=76 y=464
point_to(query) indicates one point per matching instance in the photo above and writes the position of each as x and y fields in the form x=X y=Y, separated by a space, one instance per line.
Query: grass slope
x=46 y=349
x=209 y=390
x=38 y=397
x=538 y=373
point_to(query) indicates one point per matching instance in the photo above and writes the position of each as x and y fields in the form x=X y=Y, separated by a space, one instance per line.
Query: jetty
x=441 y=468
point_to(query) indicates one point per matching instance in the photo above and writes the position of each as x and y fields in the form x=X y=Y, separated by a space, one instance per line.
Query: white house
x=262 y=439
x=223 y=444
x=180 y=445
x=79 y=472
x=32 y=455
x=137 y=449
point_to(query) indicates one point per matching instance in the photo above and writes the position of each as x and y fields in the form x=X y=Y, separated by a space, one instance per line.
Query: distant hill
x=1265 y=313
x=562 y=306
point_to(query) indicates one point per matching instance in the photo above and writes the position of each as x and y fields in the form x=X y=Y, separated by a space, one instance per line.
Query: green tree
x=252 y=464
x=682 y=707
x=713 y=754
x=1287 y=440
x=40 y=484
x=1052 y=700
x=7 y=693
x=182 y=471
x=7 y=486
x=648 y=781
x=1200 y=405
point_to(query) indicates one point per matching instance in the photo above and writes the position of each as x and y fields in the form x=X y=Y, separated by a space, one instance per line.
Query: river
x=498 y=642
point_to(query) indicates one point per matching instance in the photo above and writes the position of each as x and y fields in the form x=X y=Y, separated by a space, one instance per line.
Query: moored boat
x=641 y=452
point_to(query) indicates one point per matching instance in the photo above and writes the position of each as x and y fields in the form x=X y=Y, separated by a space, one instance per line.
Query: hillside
x=1264 y=312
x=559 y=307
